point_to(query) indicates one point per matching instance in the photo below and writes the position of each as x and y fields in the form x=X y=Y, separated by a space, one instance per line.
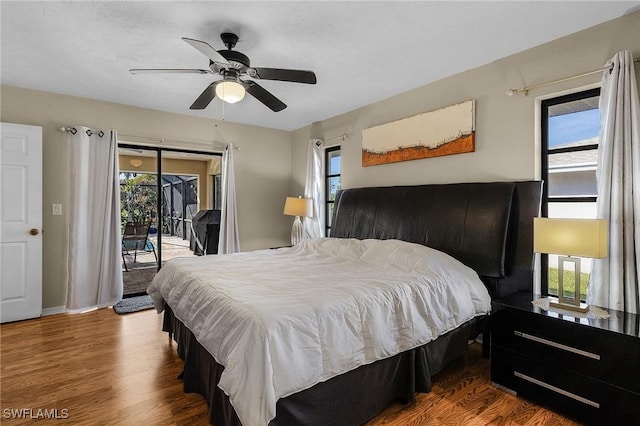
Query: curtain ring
x=89 y=132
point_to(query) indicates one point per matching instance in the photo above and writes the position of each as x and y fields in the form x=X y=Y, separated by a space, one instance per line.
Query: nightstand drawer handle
x=556 y=345
x=556 y=390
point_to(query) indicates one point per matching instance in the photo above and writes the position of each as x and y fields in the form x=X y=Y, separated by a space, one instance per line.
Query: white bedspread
x=280 y=321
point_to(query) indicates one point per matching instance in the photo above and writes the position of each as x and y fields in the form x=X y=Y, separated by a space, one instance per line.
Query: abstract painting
x=445 y=131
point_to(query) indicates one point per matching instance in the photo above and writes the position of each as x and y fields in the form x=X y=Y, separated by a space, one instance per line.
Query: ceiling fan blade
x=261 y=94
x=296 y=76
x=168 y=71
x=205 y=97
x=207 y=50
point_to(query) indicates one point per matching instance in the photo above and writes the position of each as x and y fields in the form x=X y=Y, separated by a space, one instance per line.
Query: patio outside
x=138 y=197
x=141 y=272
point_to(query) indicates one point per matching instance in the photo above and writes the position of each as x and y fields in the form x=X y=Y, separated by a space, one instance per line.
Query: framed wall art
x=445 y=131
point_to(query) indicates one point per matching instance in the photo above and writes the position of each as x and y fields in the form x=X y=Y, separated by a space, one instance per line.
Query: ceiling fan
x=231 y=65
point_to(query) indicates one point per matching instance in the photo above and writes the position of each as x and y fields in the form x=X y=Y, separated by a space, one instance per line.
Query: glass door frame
x=158 y=150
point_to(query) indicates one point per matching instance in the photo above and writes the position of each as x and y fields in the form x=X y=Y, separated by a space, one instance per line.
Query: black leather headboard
x=487 y=226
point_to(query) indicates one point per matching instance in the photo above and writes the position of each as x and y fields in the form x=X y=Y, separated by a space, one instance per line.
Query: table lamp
x=298 y=207
x=568 y=238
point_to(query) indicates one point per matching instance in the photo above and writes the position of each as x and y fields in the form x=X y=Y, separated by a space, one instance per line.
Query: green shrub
x=138 y=198
x=569 y=282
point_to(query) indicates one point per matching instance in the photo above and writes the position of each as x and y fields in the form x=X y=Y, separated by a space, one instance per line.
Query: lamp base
x=565 y=302
x=582 y=307
x=296 y=231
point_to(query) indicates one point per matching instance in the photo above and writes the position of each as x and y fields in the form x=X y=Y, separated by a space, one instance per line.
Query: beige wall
x=505 y=126
x=262 y=166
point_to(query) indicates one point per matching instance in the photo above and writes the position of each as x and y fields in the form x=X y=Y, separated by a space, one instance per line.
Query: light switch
x=56 y=209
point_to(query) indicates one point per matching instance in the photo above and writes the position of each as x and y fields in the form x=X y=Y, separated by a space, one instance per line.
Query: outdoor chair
x=136 y=238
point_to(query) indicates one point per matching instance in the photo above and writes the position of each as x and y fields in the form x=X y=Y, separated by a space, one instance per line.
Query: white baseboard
x=53 y=311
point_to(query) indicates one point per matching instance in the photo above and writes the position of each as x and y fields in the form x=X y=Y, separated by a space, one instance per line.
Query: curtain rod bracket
x=71 y=130
x=512 y=92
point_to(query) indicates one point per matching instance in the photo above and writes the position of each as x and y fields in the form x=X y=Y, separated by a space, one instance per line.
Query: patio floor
x=141 y=272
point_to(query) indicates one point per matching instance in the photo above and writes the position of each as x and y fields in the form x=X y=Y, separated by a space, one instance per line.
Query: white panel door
x=20 y=222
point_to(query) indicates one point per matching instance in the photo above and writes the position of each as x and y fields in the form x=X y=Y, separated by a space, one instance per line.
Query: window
x=332 y=160
x=570 y=126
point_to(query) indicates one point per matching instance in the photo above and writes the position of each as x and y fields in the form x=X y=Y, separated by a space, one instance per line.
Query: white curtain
x=94 y=262
x=614 y=280
x=229 y=240
x=313 y=227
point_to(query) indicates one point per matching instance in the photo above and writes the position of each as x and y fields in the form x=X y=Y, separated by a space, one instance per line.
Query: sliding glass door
x=139 y=218
x=161 y=191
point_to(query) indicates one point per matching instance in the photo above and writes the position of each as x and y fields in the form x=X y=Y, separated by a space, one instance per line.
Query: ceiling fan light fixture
x=230 y=91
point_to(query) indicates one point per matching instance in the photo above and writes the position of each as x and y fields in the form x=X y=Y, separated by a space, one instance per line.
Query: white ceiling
x=361 y=51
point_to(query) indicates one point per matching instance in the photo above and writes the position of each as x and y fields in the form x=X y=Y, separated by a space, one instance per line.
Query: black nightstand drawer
x=585 y=350
x=583 y=398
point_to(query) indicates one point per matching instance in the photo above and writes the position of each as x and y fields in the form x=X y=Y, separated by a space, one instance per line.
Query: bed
x=332 y=330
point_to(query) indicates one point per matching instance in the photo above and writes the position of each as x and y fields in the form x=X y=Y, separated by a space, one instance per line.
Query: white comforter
x=280 y=321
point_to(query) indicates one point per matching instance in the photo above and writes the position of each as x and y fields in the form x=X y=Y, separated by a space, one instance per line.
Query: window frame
x=327 y=177
x=544 y=167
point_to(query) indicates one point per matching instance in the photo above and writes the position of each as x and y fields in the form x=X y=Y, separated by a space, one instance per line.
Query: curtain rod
x=526 y=89
x=73 y=131
x=341 y=137
x=177 y=141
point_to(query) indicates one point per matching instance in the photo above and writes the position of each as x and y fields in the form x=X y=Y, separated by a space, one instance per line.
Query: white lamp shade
x=230 y=91
x=298 y=206
x=570 y=237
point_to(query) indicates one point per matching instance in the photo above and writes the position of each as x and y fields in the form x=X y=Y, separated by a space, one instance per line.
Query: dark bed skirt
x=349 y=399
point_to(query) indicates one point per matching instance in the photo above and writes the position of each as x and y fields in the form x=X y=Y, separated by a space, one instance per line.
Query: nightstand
x=587 y=369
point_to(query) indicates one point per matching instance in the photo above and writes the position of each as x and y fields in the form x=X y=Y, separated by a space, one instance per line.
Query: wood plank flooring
x=108 y=369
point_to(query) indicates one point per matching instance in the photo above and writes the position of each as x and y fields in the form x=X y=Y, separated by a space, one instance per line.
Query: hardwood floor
x=109 y=369
x=462 y=394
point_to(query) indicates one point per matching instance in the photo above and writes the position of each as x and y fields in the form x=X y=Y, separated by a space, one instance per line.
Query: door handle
x=34 y=231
